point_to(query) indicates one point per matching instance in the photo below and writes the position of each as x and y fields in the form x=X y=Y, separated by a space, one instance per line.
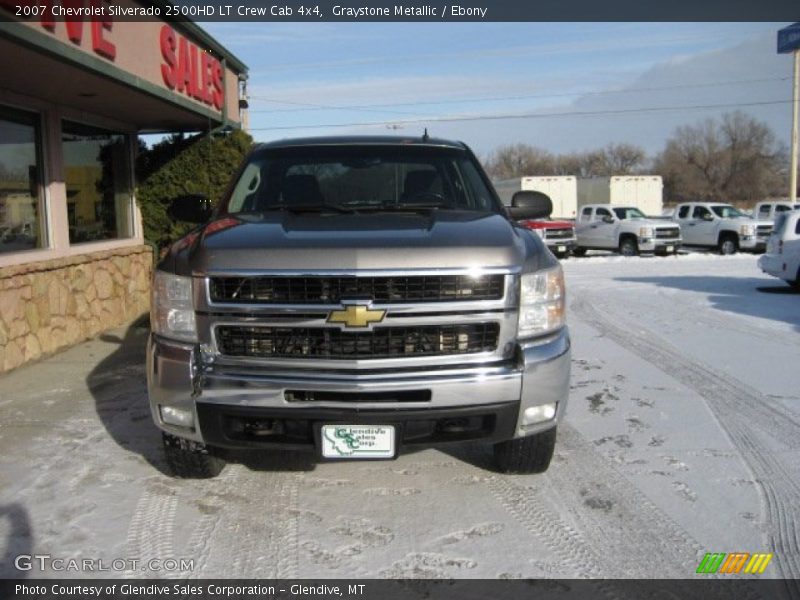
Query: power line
x=523 y=116
x=308 y=106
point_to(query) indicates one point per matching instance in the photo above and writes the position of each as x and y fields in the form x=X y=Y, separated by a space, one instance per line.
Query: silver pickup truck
x=356 y=296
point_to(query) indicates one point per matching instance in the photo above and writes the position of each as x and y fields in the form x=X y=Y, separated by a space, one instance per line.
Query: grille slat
x=332 y=290
x=667 y=232
x=559 y=234
x=382 y=342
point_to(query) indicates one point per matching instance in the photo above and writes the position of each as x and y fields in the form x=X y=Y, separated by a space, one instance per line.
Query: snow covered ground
x=681 y=438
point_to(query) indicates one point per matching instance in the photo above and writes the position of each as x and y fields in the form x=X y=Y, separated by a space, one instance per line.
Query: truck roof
x=363 y=140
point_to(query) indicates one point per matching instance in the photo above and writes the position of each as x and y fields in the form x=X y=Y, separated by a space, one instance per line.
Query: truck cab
x=721 y=226
x=770 y=209
x=624 y=229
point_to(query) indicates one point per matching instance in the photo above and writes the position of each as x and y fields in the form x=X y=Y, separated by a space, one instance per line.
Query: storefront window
x=20 y=169
x=97 y=169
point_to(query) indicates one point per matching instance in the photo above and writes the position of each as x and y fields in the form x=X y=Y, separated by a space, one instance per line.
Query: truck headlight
x=747 y=230
x=542 y=302
x=645 y=232
x=172 y=313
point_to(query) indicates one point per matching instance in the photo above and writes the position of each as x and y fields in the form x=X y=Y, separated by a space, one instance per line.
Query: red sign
x=190 y=70
x=72 y=14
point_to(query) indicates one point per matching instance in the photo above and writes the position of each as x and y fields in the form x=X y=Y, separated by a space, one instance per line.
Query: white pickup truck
x=721 y=226
x=624 y=229
x=782 y=258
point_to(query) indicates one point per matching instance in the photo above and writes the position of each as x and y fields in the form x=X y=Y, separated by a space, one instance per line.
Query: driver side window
x=700 y=212
x=601 y=214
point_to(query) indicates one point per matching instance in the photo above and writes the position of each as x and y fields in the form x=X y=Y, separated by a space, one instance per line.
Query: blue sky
x=378 y=78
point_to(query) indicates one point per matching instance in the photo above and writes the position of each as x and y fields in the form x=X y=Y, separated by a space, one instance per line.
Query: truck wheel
x=529 y=454
x=728 y=245
x=628 y=247
x=578 y=251
x=190 y=460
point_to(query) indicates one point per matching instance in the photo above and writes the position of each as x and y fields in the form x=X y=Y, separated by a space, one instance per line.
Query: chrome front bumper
x=178 y=377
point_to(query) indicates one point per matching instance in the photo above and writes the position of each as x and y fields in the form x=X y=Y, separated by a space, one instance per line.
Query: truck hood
x=652 y=222
x=286 y=241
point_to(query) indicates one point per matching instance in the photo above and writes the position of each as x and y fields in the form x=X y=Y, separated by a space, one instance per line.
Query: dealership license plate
x=562 y=248
x=669 y=248
x=358 y=441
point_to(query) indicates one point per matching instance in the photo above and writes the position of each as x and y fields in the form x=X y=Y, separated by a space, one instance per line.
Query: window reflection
x=20 y=215
x=98 y=181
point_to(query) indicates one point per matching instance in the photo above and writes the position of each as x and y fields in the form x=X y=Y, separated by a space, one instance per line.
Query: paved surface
x=677 y=442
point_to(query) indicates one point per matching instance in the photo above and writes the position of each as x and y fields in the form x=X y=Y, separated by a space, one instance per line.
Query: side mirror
x=192 y=208
x=608 y=219
x=530 y=205
x=708 y=217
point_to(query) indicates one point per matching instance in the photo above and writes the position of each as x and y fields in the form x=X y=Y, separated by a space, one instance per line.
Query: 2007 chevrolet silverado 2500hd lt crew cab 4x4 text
x=355 y=296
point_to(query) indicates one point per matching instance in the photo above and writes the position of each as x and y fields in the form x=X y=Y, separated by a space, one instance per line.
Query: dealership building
x=74 y=96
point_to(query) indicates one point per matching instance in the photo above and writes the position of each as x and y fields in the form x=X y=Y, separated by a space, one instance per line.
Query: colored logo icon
x=734 y=563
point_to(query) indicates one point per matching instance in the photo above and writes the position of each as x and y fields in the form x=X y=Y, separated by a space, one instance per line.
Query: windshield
x=365 y=178
x=726 y=211
x=629 y=213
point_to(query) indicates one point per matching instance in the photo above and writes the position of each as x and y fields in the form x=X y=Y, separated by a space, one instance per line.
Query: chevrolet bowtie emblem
x=356 y=315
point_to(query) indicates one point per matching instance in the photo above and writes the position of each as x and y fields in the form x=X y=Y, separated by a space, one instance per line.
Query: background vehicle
x=559 y=236
x=355 y=296
x=782 y=259
x=772 y=208
x=624 y=229
x=645 y=192
x=721 y=226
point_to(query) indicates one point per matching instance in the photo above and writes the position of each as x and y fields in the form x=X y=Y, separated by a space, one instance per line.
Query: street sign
x=789 y=39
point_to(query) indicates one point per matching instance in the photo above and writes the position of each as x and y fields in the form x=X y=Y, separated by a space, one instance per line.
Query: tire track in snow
x=256 y=533
x=151 y=530
x=737 y=408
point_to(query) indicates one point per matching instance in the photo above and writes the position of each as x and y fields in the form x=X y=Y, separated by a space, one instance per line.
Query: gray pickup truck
x=356 y=296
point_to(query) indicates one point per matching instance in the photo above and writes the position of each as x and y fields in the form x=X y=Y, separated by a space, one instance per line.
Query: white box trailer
x=562 y=189
x=645 y=192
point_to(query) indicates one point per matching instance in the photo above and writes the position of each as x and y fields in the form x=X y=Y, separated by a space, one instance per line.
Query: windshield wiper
x=416 y=208
x=303 y=208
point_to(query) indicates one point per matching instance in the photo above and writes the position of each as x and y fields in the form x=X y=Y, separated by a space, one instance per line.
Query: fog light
x=181 y=417
x=537 y=414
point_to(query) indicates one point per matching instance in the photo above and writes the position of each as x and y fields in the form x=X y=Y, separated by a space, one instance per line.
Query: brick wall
x=49 y=305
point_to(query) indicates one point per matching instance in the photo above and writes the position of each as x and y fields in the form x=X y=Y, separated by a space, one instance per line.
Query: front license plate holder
x=342 y=441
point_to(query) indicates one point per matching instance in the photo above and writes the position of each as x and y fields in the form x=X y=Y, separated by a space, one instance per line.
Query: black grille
x=667 y=232
x=763 y=230
x=559 y=234
x=332 y=290
x=382 y=342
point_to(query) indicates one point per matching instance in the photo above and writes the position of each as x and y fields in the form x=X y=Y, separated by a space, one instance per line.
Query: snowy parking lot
x=681 y=438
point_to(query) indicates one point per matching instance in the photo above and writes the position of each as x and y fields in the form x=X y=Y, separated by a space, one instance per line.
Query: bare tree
x=519 y=160
x=735 y=159
x=620 y=159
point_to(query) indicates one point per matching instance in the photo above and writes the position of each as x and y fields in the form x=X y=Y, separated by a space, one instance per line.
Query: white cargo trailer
x=645 y=192
x=562 y=190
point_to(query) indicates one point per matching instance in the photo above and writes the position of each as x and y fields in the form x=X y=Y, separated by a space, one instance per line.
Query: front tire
x=578 y=251
x=728 y=245
x=628 y=247
x=189 y=460
x=531 y=454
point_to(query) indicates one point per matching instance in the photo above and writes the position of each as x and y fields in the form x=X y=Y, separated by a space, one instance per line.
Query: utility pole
x=789 y=42
x=795 y=102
